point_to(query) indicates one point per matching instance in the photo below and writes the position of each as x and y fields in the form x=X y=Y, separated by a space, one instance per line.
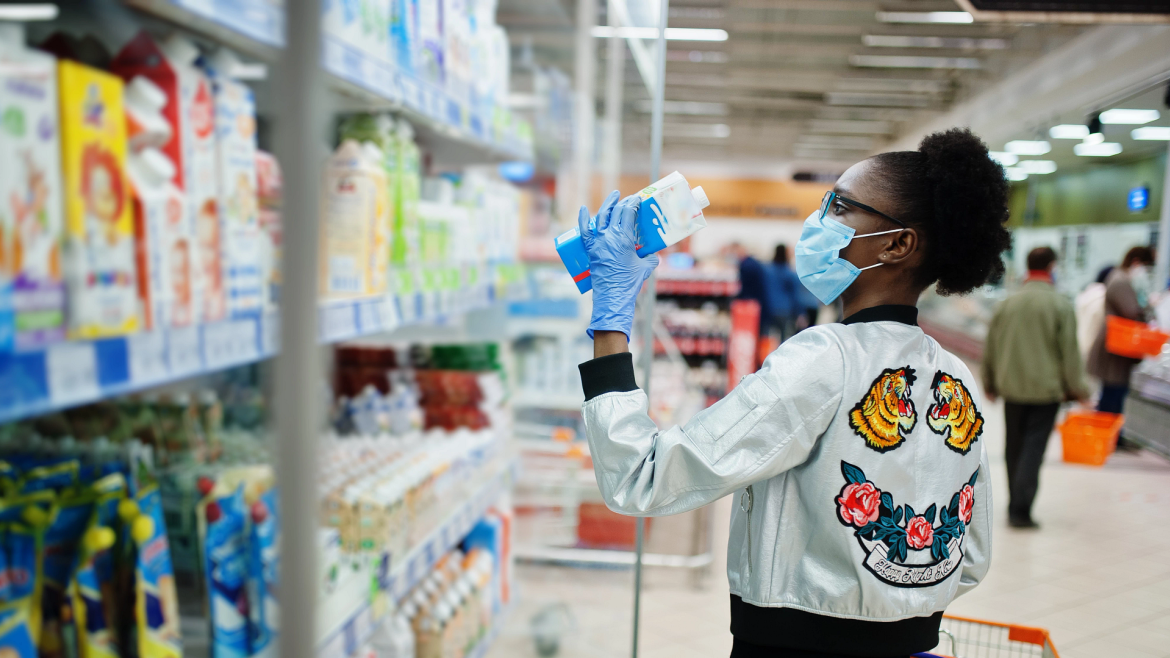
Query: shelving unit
x=348 y=631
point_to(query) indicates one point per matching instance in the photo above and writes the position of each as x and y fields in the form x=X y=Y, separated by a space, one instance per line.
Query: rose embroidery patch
x=954 y=415
x=895 y=537
x=885 y=416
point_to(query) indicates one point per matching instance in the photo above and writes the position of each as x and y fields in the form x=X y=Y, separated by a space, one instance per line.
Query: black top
x=885 y=313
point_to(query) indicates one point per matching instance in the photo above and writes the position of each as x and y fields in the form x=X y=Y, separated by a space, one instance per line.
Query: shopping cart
x=960 y=637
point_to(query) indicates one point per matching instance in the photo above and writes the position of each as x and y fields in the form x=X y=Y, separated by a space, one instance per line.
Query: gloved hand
x=616 y=270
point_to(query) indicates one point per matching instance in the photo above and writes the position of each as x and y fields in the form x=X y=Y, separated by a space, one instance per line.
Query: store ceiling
x=803 y=81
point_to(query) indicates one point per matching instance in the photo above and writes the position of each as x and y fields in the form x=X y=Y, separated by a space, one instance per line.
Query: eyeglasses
x=831 y=196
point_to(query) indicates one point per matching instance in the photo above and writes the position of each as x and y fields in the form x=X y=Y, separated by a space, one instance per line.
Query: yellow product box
x=99 y=260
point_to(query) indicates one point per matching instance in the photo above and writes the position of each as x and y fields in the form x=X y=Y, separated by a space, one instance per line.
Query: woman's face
x=856 y=184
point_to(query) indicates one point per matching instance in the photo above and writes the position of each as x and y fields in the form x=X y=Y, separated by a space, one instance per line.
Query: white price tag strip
x=338 y=322
x=72 y=373
x=184 y=352
x=229 y=343
x=148 y=358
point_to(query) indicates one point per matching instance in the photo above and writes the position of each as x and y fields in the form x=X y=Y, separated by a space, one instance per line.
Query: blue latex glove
x=616 y=270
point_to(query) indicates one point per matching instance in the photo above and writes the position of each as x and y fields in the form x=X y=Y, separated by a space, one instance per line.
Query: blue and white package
x=263 y=569
x=572 y=252
x=227 y=570
x=670 y=211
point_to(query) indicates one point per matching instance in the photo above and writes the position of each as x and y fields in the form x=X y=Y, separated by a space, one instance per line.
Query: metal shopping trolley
x=960 y=637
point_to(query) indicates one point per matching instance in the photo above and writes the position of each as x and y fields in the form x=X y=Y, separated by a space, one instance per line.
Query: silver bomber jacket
x=854 y=455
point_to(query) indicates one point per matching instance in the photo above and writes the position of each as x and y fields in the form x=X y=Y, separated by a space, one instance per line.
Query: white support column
x=586 y=83
x=300 y=126
x=611 y=153
x=1162 y=264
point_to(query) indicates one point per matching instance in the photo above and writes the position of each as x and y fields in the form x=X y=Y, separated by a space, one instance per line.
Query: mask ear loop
x=868 y=235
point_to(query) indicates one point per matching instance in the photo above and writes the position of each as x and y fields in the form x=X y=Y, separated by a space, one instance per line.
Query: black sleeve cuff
x=608 y=374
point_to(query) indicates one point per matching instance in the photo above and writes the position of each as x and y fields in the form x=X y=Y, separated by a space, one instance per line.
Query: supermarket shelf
x=345 y=637
x=454 y=130
x=562 y=555
x=79 y=372
x=255 y=27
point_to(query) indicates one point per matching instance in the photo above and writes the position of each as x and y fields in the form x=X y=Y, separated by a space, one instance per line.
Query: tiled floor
x=1096 y=575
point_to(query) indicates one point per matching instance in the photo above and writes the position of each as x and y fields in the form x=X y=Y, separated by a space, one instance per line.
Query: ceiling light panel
x=897 y=85
x=672 y=33
x=914 y=62
x=1102 y=150
x=41 y=11
x=1004 y=158
x=850 y=127
x=876 y=100
x=697 y=56
x=1015 y=174
x=1037 y=166
x=701 y=130
x=1151 y=134
x=1028 y=147
x=836 y=141
x=1069 y=131
x=958 y=43
x=1129 y=117
x=925 y=17
x=695 y=108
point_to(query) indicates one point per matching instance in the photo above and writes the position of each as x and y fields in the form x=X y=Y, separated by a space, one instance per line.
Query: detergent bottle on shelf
x=669 y=211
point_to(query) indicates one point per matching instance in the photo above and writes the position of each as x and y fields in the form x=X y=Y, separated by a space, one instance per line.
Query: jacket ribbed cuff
x=608 y=374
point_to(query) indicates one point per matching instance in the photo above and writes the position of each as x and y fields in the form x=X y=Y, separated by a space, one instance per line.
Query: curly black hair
x=956 y=196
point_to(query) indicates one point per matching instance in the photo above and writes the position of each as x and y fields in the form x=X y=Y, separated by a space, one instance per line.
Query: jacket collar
x=885 y=313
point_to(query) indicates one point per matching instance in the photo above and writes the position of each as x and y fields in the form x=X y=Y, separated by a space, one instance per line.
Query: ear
x=900 y=247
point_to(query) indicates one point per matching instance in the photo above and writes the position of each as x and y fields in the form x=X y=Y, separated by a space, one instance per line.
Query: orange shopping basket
x=1133 y=339
x=960 y=637
x=1089 y=437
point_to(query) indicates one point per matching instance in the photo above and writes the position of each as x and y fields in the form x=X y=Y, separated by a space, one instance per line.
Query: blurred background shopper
x=783 y=300
x=1032 y=361
x=1127 y=291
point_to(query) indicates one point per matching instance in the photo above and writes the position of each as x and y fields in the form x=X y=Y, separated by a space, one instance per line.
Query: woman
x=864 y=501
x=783 y=303
x=1125 y=291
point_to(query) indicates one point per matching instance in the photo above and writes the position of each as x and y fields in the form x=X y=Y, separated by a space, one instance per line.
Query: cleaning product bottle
x=669 y=211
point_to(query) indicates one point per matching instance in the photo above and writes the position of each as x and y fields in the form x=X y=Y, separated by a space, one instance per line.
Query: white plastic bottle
x=670 y=211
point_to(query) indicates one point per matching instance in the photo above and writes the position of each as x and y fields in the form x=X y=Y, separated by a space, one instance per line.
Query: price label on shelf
x=338 y=322
x=369 y=317
x=72 y=373
x=229 y=343
x=148 y=357
x=184 y=352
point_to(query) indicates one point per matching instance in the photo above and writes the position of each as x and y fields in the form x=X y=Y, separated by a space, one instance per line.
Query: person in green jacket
x=1031 y=360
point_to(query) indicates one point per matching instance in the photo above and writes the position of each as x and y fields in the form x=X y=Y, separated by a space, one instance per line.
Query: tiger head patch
x=953 y=415
x=886 y=415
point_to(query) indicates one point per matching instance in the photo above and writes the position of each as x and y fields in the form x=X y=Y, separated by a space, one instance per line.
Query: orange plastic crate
x=1133 y=339
x=1089 y=437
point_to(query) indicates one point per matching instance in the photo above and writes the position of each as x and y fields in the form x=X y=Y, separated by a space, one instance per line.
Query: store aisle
x=1094 y=574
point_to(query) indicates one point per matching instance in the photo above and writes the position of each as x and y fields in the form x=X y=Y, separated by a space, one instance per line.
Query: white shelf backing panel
x=343 y=638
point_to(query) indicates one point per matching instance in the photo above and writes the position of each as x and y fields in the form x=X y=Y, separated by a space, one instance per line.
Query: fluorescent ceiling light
x=28 y=12
x=1068 y=131
x=876 y=100
x=1151 y=134
x=1004 y=158
x=1037 y=166
x=1015 y=174
x=1129 y=117
x=858 y=143
x=1102 y=150
x=686 y=107
x=914 y=62
x=961 y=43
x=697 y=56
x=925 y=17
x=1094 y=138
x=672 y=33
x=703 y=130
x=1027 y=147
x=896 y=85
x=850 y=127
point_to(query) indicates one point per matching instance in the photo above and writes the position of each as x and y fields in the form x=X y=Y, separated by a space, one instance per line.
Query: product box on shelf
x=429 y=64
x=404 y=33
x=164 y=243
x=32 y=286
x=191 y=115
x=269 y=183
x=456 y=19
x=99 y=244
x=404 y=241
x=235 y=132
x=353 y=192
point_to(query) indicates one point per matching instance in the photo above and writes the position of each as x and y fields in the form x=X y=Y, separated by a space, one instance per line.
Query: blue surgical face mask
x=818 y=256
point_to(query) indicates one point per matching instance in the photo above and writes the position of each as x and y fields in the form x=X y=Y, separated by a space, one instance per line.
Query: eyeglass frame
x=827 y=201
